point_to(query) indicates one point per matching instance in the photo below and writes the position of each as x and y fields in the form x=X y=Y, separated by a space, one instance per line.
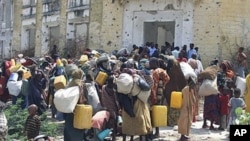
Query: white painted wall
x=140 y=11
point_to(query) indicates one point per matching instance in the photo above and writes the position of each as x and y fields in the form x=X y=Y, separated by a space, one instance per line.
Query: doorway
x=53 y=36
x=159 y=32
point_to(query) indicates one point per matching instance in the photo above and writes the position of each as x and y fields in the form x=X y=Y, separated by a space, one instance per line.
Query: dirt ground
x=171 y=134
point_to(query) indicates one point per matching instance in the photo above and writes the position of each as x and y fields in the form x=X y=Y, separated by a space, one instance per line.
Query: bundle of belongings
x=208 y=77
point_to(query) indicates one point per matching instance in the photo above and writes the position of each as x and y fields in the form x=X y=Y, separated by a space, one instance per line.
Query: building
x=217 y=27
x=40 y=24
x=6 y=24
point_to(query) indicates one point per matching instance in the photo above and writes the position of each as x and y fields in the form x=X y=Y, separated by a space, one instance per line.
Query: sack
x=124 y=83
x=144 y=95
x=14 y=87
x=70 y=68
x=93 y=98
x=136 y=89
x=241 y=84
x=208 y=87
x=143 y=84
x=209 y=73
x=66 y=99
x=103 y=58
x=187 y=70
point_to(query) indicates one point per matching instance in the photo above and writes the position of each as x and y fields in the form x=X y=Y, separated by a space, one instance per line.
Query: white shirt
x=176 y=53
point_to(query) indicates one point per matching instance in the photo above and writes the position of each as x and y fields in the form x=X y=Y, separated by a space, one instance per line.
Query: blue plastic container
x=13 y=77
x=102 y=135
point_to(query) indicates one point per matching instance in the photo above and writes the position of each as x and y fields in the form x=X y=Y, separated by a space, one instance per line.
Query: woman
x=161 y=78
x=211 y=111
x=186 y=114
x=37 y=86
x=241 y=62
x=71 y=133
x=110 y=102
x=176 y=83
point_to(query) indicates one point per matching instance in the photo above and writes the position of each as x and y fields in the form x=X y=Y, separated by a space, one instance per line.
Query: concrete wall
x=136 y=12
x=17 y=28
x=95 y=22
x=116 y=25
x=6 y=28
x=220 y=26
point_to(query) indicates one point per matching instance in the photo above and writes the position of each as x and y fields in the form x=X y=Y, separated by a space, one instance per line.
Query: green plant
x=243 y=118
x=16 y=117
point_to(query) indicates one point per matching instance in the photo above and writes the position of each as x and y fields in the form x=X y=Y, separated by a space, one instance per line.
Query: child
x=224 y=109
x=231 y=86
x=235 y=102
x=33 y=123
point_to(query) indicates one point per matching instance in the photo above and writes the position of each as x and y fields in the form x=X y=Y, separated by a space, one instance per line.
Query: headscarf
x=227 y=68
x=154 y=63
x=77 y=76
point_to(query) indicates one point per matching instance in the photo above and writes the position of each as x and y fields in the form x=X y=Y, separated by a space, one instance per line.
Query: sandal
x=212 y=128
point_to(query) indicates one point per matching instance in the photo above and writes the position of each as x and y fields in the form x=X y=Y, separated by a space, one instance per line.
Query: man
x=191 y=50
x=198 y=54
x=152 y=49
x=241 y=62
x=176 y=52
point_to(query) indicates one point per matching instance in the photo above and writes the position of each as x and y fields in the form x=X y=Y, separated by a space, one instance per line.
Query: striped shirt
x=32 y=126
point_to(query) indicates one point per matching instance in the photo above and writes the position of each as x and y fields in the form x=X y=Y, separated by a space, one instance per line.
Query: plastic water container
x=13 y=77
x=105 y=133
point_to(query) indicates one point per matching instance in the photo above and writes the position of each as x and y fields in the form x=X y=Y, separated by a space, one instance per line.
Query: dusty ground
x=171 y=133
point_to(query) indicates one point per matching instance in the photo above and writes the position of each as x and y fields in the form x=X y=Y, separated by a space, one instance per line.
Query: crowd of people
x=162 y=71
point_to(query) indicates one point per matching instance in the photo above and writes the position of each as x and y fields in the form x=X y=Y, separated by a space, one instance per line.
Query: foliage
x=16 y=117
x=243 y=118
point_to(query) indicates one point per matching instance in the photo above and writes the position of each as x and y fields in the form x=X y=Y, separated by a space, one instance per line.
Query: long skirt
x=173 y=116
x=140 y=124
x=71 y=133
x=212 y=108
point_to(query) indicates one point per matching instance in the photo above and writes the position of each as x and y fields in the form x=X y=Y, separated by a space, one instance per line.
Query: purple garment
x=212 y=108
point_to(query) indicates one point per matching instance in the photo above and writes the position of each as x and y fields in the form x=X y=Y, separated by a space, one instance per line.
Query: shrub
x=16 y=117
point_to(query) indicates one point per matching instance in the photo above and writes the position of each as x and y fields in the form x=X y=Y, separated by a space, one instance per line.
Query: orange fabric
x=157 y=74
x=230 y=74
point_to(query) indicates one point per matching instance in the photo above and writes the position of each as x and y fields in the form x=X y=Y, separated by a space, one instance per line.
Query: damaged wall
x=220 y=27
x=94 y=38
x=116 y=25
x=136 y=12
x=111 y=29
x=105 y=27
